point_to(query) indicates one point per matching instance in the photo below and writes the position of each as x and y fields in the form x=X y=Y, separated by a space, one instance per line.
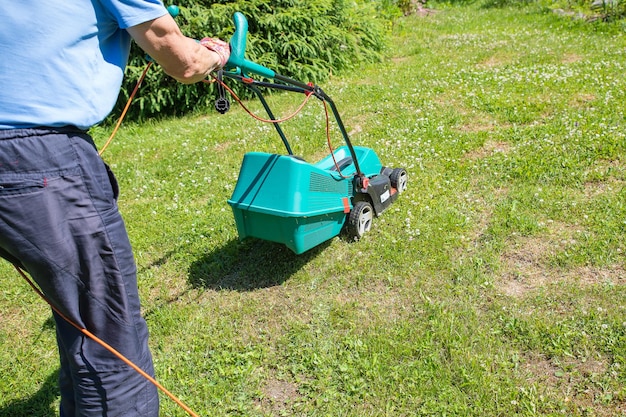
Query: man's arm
x=180 y=57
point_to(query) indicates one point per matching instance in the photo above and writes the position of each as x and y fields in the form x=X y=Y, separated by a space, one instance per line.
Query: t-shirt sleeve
x=134 y=12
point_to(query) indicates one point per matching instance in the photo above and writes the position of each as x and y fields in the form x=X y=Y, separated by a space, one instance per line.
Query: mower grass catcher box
x=284 y=199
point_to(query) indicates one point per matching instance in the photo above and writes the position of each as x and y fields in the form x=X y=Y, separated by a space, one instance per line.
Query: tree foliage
x=303 y=39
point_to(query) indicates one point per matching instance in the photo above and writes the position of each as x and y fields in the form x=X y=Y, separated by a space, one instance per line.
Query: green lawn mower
x=284 y=199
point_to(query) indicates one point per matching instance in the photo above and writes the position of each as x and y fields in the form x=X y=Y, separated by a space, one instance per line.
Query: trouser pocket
x=19 y=186
x=114 y=184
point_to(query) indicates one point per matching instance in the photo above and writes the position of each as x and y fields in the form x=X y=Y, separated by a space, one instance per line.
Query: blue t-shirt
x=62 y=62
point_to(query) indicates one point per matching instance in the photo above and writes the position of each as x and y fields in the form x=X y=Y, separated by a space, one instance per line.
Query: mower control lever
x=237 y=61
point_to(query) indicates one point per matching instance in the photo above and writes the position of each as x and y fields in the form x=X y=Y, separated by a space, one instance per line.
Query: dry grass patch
x=377 y=304
x=526 y=263
x=488 y=149
x=277 y=396
x=222 y=146
x=597 y=188
x=486 y=126
x=581 y=100
x=606 y=176
x=574 y=381
x=399 y=59
x=571 y=58
x=494 y=61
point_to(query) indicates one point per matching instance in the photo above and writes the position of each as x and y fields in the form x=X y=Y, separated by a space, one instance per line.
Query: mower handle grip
x=237 y=61
x=173 y=10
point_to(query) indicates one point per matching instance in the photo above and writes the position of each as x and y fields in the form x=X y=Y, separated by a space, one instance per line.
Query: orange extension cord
x=254 y=116
x=86 y=332
x=105 y=345
x=232 y=93
x=130 y=99
x=295 y=113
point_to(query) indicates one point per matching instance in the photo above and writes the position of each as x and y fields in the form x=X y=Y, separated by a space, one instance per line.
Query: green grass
x=494 y=286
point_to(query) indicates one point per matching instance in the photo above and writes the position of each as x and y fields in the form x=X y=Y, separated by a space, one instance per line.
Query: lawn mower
x=283 y=198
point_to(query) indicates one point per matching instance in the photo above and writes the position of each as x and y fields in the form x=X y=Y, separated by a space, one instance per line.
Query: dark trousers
x=59 y=221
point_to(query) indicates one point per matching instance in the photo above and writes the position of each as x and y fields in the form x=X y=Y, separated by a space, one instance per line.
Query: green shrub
x=609 y=10
x=305 y=40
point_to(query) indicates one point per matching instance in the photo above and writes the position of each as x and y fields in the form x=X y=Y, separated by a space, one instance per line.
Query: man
x=61 y=68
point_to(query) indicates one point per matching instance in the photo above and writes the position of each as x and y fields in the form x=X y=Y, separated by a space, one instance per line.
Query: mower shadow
x=40 y=404
x=248 y=265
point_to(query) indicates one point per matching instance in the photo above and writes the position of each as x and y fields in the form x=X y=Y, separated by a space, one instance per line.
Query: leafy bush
x=609 y=10
x=305 y=40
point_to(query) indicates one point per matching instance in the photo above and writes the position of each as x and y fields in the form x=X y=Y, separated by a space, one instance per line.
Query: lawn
x=494 y=286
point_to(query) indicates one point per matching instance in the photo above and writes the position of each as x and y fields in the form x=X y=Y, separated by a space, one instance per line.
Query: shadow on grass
x=39 y=404
x=248 y=265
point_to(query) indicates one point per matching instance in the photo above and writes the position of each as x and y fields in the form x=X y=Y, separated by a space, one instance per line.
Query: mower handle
x=173 y=10
x=237 y=61
x=238 y=64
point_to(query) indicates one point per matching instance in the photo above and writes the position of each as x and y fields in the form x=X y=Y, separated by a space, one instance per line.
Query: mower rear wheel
x=399 y=179
x=360 y=219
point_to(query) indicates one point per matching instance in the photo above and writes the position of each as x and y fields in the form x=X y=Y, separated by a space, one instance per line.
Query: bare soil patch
x=278 y=395
x=574 y=381
x=489 y=148
x=526 y=268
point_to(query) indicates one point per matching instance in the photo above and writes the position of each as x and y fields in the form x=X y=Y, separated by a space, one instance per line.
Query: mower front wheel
x=360 y=219
x=399 y=179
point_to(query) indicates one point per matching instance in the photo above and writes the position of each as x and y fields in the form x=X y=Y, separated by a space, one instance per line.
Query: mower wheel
x=399 y=179
x=360 y=219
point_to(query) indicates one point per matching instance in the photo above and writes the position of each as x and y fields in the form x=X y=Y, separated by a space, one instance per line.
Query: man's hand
x=219 y=47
